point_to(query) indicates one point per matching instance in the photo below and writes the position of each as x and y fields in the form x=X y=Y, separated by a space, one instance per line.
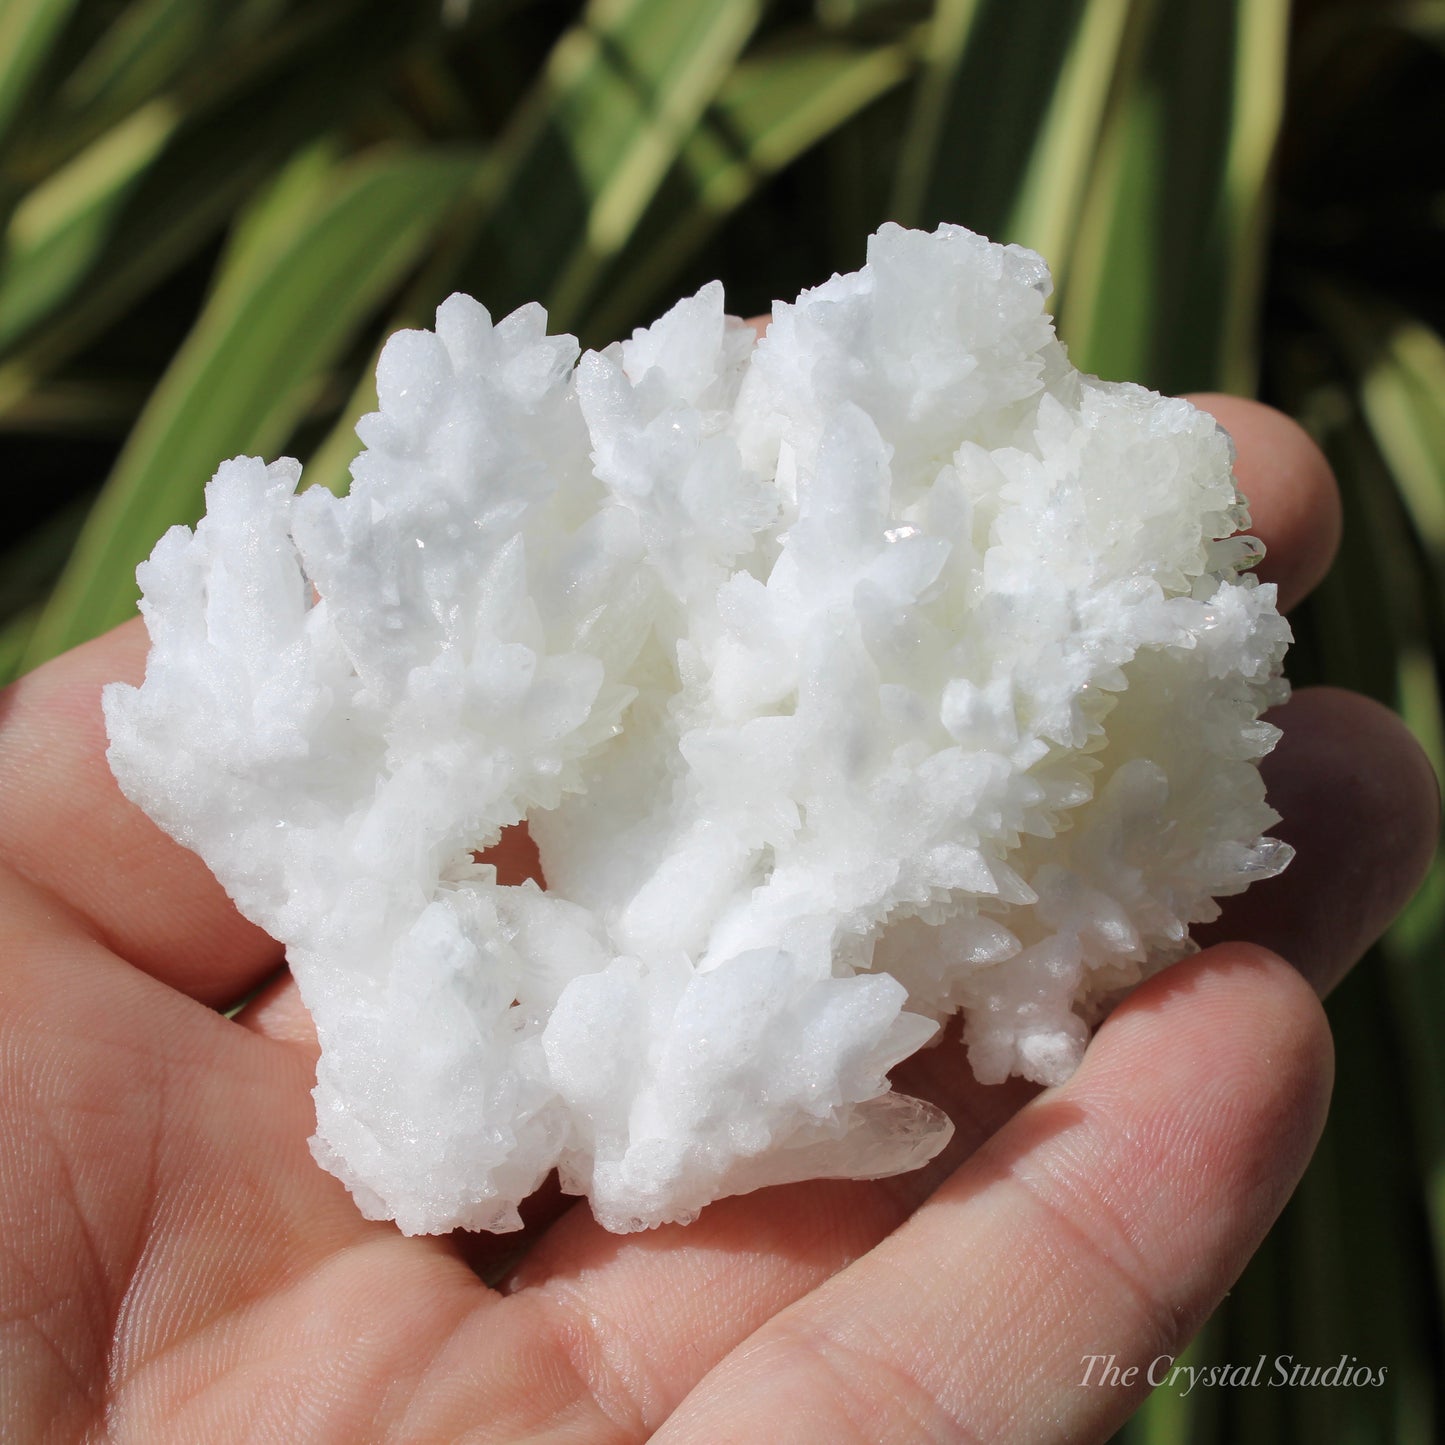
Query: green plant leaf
x=146 y=195
x=1398 y=362
x=1377 y=624
x=777 y=104
x=278 y=216
x=641 y=90
x=252 y=363
x=1165 y=282
x=141 y=52
x=15 y=635
x=197 y=52
x=1422 y=18
x=1256 y=115
x=566 y=186
x=988 y=81
x=30 y=564
x=1101 y=64
x=620 y=95
x=59 y=230
x=28 y=30
x=1130 y=143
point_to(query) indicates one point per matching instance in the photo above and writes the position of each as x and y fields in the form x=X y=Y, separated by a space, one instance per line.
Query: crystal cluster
x=887 y=669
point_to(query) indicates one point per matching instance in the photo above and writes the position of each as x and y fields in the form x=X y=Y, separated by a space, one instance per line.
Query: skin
x=176 y=1267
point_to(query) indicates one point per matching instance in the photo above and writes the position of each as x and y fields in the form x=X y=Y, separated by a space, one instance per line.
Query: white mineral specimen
x=888 y=669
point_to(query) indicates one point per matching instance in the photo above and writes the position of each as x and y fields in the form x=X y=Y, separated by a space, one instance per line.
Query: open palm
x=175 y=1266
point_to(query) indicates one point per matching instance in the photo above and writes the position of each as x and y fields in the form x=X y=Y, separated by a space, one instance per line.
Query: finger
x=662 y=1307
x=70 y=830
x=491 y=1257
x=1298 y=501
x=1293 y=500
x=174 y=1242
x=1360 y=804
x=1365 y=831
x=276 y=1012
x=818 y=1225
x=1108 y=1218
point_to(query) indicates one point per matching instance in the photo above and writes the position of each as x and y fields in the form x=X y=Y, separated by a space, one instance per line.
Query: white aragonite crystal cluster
x=885 y=670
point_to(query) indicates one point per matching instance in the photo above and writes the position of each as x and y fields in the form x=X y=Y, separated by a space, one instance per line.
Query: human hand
x=177 y=1267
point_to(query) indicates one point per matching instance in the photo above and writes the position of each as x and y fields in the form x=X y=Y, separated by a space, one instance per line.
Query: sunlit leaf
x=776 y=105
x=618 y=99
x=61 y=229
x=919 y=156
x=250 y=367
x=1101 y=63
x=994 y=76
x=149 y=193
x=1164 y=285
x=567 y=184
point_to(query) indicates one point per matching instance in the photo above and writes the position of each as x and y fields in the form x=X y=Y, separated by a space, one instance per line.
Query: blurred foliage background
x=214 y=210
